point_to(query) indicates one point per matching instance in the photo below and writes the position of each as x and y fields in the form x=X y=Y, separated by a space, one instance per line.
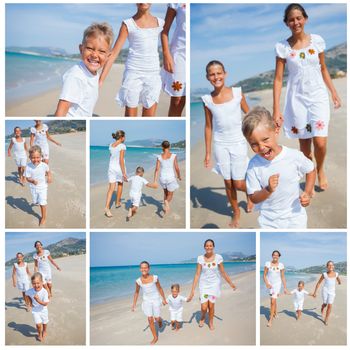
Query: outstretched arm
x=195 y=281
x=277 y=88
x=53 y=263
x=338 y=280
x=267 y=283
x=283 y=278
x=136 y=295
x=122 y=164
x=161 y=292
x=156 y=171
x=318 y=284
x=49 y=137
x=9 y=149
x=14 y=279
x=226 y=276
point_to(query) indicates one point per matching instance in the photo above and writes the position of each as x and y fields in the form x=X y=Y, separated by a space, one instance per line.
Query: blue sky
x=24 y=241
x=303 y=249
x=243 y=36
x=171 y=130
x=116 y=249
x=62 y=25
x=23 y=124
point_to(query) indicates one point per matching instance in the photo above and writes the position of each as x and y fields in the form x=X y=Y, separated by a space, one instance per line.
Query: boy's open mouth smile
x=266 y=154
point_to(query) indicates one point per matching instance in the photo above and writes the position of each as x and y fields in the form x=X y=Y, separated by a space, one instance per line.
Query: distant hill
x=340 y=267
x=229 y=257
x=65 y=247
x=157 y=143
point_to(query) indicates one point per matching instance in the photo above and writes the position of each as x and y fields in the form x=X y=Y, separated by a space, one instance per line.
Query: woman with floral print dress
x=306 y=110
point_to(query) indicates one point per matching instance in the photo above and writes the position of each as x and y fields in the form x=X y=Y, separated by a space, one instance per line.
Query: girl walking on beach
x=20 y=153
x=330 y=279
x=306 y=110
x=174 y=66
x=141 y=80
x=166 y=167
x=39 y=137
x=273 y=278
x=223 y=124
x=42 y=259
x=21 y=277
x=116 y=170
x=210 y=268
x=152 y=298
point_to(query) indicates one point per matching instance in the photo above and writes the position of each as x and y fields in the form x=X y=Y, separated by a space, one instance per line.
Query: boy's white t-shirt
x=137 y=183
x=80 y=88
x=37 y=173
x=43 y=262
x=291 y=165
x=43 y=296
x=175 y=304
x=299 y=295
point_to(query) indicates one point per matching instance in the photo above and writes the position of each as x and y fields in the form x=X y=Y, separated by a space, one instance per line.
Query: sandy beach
x=45 y=104
x=234 y=320
x=209 y=207
x=66 y=309
x=66 y=194
x=150 y=213
x=309 y=329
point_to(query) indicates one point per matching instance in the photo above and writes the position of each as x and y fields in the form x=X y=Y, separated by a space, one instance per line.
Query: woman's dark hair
x=276 y=251
x=145 y=262
x=118 y=134
x=19 y=253
x=165 y=144
x=329 y=261
x=37 y=243
x=292 y=7
x=209 y=240
x=214 y=63
x=16 y=127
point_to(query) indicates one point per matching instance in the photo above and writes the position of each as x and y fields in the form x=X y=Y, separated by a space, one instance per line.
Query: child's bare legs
x=130 y=111
x=25 y=301
x=132 y=211
x=39 y=327
x=320 y=150
x=111 y=189
x=43 y=215
x=240 y=185
x=44 y=330
x=153 y=330
x=328 y=312
x=211 y=315
x=204 y=308
x=177 y=104
x=150 y=112
x=119 y=194
x=173 y=325
x=272 y=311
x=21 y=178
x=298 y=314
x=231 y=194
x=178 y=326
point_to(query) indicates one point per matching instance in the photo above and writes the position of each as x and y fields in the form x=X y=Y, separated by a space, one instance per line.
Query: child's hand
x=190 y=297
x=125 y=178
x=35 y=182
x=36 y=298
x=168 y=63
x=336 y=101
x=49 y=178
x=207 y=162
x=164 y=302
x=234 y=288
x=305 y=199
x=273 y=182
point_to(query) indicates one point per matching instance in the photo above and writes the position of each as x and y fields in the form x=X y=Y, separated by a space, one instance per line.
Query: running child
x=274 y=173
x=39 y=176
x=42 y=259
x=81 y=82
x=166 y=167
x=39 y=136
x=299 y=296
x=330 y=278
x=116 y=170
x=21 y=276
x=175 y=302
x=223 y=125
x=20 y=153
x=136 y=183
x=38 y=298
x=141 y=80
x=152 y=298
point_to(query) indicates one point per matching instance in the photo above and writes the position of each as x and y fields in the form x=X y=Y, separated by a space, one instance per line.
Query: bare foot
x=108 y=213
x=42 y=222
x=201 y=323
x=211 y=326
x=44 y=334
x=269 y=324
x=129 y=213
x=326 y=322
x=40 y=338
x=118 y=205
x=154 y=341
x=177 y=329
x=322 y=180
x=235 y=219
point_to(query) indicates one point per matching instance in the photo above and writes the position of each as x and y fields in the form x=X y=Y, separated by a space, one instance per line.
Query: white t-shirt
x=80 y=88
x=149 y=290
x=291 y=165
x=329 y=283
x=274 y=273
x=18 y=148
x=21 y=272
x=40 y=137
x=43 y=262
x=43 y=296
x=37 y=173
x=136 y=183
x=210 y=278
x=299 y=295
x=175 y=304
x=114 y=163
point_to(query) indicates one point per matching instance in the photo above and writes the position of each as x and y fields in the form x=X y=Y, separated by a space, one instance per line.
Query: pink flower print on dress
x=292 y=54
x=320 y=125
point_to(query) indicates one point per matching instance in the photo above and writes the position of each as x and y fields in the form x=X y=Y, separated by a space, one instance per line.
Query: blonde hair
x=37 y=275
x=34 y=149
x=96 y=29
x=258 y=115
x=140 y=170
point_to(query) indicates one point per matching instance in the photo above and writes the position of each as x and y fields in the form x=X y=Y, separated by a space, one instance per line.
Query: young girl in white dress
x=174 y=66
x=20 y=153
x=330 y=279
x=306 y=110
x=210 y=268
x=152 y=298
x=168 y=170
x=21 y=276
x=116 y=170
x=223 y=124
x=141 y=81
x=40 y=136
x=274 y=278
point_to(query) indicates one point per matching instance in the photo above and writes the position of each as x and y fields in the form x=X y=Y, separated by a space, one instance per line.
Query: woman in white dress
x=210 y=268
x=306 y=111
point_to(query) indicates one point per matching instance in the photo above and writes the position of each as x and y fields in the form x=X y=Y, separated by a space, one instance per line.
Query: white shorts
x=327 y=297
x=207 y=297
x=231 y=161
x=151 y=308
x=39 y=195
x=21 y=161
x=275 y=290
x=176 y=315
x=169 y=184
x=47 y=277
x=115 y=175
x=139 y=88
x=135 y=199
x=23 y=286
x=297 y=221
x=298 y=305
x=41 y=316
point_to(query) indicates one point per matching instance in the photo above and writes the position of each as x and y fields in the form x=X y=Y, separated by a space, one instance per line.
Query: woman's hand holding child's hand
x=336 y=101
x=305 y=199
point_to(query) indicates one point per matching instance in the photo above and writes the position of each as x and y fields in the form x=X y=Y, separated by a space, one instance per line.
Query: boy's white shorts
x=39 y=195
x=327 y=297
x=135 y=199
x=23 y=286
x=139 y=88
x=151 y=308
x=176 y=315
x=298 y=221
x=21 y=162
x=298 y=305
x=169 y=184
x=41 y=316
